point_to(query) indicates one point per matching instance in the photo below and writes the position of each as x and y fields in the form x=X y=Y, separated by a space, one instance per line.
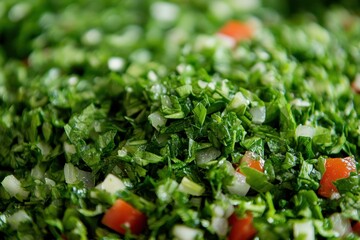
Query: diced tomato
x=241 y=228
x=122 y=216
x=335 y=168
x=356 y=228
x=236 y=30
x=250 y=160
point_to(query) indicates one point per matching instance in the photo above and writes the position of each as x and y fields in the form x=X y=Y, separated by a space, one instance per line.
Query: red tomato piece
x=122 y=216
x=250 y=160
x=237 y=30
x=356 y=228
x=241 y=228
x=335 y=168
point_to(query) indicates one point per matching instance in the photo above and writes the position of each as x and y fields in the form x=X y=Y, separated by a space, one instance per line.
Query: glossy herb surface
x=199 y=115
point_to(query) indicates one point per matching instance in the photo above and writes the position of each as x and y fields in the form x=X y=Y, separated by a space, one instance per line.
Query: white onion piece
x=239 y=185
x=164 y=11
x=258 y=114
x=69 y=148
x=92 y=37
x=305 y=131
x=116 y=64
x=17 y=218
x=341 y=225
x=157 y=120
x=220 y=225
x=229 y=168
x=219 y=211
x=190 y=187
x=238 y=101
x=207 y=155
x=226 y=40
x=13 y=186
x=37 y=172
x=182 y=232
x=50 y=182
x=111 y=184
x=86 y=178
x=73 y=174
x=298 y=102
x=304 y=230
x=70 y=173
x=229 y=211
x=44 y=148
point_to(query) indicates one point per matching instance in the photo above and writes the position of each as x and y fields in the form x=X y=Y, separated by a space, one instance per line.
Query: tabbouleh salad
x=134 y=119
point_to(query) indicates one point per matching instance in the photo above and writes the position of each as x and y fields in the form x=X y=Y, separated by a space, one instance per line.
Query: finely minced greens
x=148 y=92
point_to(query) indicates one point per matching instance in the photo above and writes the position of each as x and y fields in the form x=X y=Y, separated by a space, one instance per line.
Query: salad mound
x=179 y=120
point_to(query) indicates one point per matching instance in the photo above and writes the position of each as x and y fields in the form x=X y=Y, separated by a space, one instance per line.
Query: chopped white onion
x=69 y=148
x=157 y=120
x=44 y=148
x=70 y=173
x=37 y=172
x=92 y=37
x=335 y=196
x=116 y=64
x=220 y=225
x=73 y=80
x=19 y=11
x=226 y=40
x=183 y=68
x=259 y=67
x=164 y=11
x=152 y=76
x=206 y=155
x=203 y=42
x=202 y=84
x=73 y=174
x=229 y=211
x=86 y=178
x=304 y=230
x=141 y=56
x=340 y=224
x=13 y=186
x=182 y=232
x=258 y=114
x=298 y=102
x=238 y=185
x=50 y=182
x=190 y=187
x=246 y=5
x=17 y=218
x=111 y=184
x=219 y=211
x=238 y=101
x=304 y=131
x=220 y=10
x=229 y=168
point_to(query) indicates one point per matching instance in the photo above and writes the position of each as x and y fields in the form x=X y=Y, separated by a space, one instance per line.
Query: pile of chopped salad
x=145 y=119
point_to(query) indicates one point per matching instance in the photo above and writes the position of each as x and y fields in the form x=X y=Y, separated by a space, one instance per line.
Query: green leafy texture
x=256 y=179
x=200 y=113
x=308 y=177
x=79 y=89
x=350 y=184
x=307 y=204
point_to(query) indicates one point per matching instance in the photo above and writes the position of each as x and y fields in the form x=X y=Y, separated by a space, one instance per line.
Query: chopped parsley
x=196 y=117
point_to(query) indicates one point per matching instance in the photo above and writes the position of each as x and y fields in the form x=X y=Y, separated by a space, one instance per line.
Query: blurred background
x=125 y=25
